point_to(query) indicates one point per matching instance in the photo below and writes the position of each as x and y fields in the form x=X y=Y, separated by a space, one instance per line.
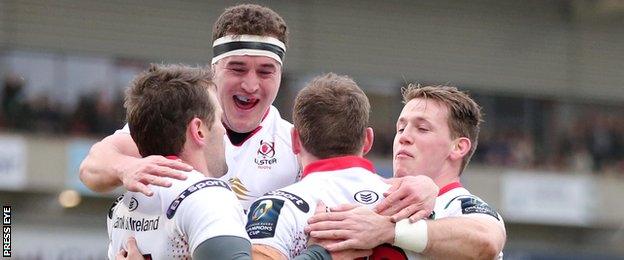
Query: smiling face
x=246 y=87
x=423 y=143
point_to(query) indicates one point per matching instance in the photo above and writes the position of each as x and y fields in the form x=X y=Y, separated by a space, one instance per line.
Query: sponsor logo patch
x=262 y=218
x=134 y=204
x=366 y=197
x=112 y=207
x=136 y=224
x=473 y=205
x=265 y=155
x=242 y=193
x=173 y=207
x=298 y=201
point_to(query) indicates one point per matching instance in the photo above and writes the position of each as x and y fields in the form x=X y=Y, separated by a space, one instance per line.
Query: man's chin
x=243 y=127
x=400 y=172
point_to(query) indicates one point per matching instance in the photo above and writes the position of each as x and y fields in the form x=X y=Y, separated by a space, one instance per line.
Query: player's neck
x=197 y=161
x=447 y=175
x=306 y=158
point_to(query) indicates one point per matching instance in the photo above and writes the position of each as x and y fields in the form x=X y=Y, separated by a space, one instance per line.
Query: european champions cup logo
x=262 y=210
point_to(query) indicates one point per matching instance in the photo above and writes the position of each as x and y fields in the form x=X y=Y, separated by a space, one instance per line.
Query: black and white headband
x=252 y=45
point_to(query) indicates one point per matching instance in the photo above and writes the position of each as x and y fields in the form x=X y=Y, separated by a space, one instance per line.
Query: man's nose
x=404 y=138
x=251 y=83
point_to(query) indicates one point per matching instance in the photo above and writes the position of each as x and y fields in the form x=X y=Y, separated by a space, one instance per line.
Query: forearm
x=264 y=252
x=100 y=171
x=464 y=238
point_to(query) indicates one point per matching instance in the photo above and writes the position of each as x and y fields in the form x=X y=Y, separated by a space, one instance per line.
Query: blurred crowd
x=593 y=143
x=94 y=114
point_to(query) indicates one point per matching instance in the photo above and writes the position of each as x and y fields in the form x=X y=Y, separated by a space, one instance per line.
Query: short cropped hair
x=331 y=114
x=250 y=19
x=160 y=103
x=464 y=113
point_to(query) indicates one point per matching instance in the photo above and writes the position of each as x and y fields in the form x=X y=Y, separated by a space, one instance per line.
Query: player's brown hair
x=160 y=103
x=331 y=114
x=464 y=113
x=250 y=19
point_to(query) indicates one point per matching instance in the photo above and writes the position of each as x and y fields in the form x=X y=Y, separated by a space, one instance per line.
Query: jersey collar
x=449 y=187
x=172 y=157
x=338 y=163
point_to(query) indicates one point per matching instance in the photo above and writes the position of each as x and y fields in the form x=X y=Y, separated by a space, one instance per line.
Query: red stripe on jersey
x=172 y=157
x=338 y=163
x=449 y=187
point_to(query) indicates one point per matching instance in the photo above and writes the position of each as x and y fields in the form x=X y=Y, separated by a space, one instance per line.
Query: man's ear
x=461 y=147
x=196 y=132
x=296 y=142
x=368 y=140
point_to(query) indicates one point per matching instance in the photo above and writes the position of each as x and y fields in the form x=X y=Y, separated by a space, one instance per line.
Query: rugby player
x=436 y=134
x=249 y=44
x=173 y=112
x=330 y=137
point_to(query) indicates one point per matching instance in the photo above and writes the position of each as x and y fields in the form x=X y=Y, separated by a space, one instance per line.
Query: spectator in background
x=13 y=101
x=600 y=142
x=45 y=115
x=96 y=113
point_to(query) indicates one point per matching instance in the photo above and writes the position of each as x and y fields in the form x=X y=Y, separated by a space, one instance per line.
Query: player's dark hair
x=160 y=103
x=250 y=19
x=331 y=115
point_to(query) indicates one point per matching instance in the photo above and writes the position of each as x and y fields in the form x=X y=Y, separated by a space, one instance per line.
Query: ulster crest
x=266 y=155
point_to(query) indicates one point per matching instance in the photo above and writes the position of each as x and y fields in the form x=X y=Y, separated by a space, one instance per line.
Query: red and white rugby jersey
x=262 y=163
x=456 y=201
x=174 y=221
x=279 y=218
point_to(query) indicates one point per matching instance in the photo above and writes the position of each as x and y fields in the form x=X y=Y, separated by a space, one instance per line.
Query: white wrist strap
x=411 y=236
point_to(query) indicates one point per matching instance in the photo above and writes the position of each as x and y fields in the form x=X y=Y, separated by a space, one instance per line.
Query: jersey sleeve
x=206 y=209
x=273 y=221
x=472 y=206
x=224 y=247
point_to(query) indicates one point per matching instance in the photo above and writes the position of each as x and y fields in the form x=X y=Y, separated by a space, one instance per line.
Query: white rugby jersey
x=174 y=221
x=262 y=163
x=278 y=219
x=455 y=201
